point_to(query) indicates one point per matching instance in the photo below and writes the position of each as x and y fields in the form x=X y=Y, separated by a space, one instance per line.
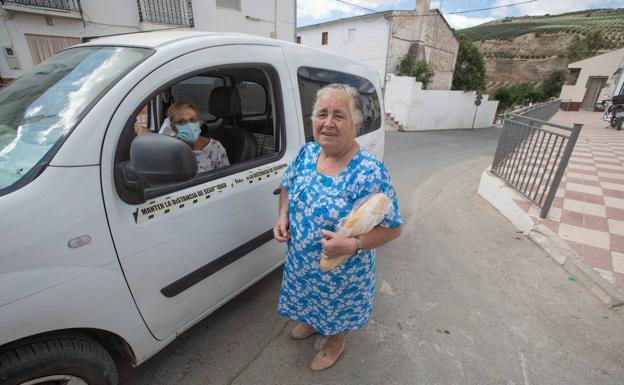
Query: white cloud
x=552 y=7
x=435 y=4
x=461 y=21
x=321 y=9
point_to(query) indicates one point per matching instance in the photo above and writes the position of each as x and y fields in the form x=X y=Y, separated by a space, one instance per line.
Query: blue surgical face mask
x=188 y=132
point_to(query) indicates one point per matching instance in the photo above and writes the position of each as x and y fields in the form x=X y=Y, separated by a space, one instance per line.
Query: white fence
x=416 y=109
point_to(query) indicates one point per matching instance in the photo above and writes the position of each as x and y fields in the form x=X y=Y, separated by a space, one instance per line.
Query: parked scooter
x=613 y=113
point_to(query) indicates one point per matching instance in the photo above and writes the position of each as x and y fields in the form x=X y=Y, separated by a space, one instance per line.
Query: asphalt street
x=462 y=298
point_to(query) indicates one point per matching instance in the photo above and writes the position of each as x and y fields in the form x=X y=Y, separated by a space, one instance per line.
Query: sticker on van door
x=188 y=197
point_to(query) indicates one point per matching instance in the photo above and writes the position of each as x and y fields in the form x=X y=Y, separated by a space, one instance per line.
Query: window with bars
x=324 y=38
x=63 y=5
x=170 y=12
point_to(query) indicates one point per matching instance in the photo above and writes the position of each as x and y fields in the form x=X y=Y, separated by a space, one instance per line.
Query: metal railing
x=57 y=5
x=541 y=111
x=532 y=154
x=170 y=12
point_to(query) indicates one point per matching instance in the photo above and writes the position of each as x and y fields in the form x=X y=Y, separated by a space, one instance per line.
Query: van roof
x=162 y=38
x=182 y=40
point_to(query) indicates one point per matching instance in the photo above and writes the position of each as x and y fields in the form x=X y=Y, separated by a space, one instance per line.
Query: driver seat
x=239 y=144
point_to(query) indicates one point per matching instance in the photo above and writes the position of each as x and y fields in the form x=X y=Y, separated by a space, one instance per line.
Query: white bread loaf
x=361 y=220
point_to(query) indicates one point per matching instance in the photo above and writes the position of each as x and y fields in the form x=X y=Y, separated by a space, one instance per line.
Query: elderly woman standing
x=325 y=180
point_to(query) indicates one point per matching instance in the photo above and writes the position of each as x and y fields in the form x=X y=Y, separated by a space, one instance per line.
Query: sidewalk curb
x=559 y=251
x=490 y=190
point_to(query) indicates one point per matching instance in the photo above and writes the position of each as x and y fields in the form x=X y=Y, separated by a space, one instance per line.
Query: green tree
x=580 y=49
x=420 y=70
x=469 y=72
x=551 y=87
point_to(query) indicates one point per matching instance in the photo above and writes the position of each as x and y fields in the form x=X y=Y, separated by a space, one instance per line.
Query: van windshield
x=41 y=107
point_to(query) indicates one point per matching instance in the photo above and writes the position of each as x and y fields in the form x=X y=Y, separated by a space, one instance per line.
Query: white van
x=111 y=243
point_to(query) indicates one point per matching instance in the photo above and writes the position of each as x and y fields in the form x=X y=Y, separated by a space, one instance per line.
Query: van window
x=196 y=90
x=39 y=109
x=313 y=79
x=253 y=98
x=245 y=120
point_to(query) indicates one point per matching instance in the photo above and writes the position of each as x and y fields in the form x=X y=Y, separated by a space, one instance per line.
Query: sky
x=319 y=11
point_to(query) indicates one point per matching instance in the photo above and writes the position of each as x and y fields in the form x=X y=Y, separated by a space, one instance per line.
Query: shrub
x=518 y=94
x=420 y=70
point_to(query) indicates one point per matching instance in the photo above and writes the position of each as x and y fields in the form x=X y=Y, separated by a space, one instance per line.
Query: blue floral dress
x=342 y=299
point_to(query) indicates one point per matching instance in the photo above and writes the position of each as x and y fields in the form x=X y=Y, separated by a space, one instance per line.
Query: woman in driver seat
x=185 y=123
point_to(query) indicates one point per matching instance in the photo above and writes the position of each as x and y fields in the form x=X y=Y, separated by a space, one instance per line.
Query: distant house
x=382 y=39
x=596 y=80
x=33 y=30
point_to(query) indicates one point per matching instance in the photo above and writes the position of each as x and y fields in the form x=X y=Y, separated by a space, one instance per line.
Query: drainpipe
x=275 y=17
x=390 y=20
x=84 y=24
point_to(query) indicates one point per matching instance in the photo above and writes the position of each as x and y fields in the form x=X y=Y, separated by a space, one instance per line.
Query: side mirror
x=155 y=162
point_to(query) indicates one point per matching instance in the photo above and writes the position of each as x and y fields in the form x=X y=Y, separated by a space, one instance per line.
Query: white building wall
x=369 y=44
x=601 y=65
x=420 y=110
x=267 y=18
x=101 y=18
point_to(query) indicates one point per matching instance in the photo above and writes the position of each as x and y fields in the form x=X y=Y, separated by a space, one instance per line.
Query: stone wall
x=427 y=37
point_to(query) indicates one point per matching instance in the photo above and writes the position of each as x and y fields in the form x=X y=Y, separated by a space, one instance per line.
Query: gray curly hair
x=355 y=101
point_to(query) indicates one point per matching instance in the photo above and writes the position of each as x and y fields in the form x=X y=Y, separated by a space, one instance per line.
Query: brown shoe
x=301 y=331
x=322 y=361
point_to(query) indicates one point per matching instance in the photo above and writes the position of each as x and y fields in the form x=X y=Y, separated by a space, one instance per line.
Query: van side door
x=189 y=250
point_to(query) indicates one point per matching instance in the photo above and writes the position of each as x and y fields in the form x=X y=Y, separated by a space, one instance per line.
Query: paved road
x=462 y=299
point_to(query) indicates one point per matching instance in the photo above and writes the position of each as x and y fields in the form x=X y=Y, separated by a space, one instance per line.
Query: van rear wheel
x=70 y=360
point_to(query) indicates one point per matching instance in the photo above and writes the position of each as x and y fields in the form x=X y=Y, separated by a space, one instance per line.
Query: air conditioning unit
x=12 y=61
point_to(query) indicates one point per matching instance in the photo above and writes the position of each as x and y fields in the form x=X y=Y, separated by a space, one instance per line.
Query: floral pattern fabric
x=339 y=300
x=211 y=157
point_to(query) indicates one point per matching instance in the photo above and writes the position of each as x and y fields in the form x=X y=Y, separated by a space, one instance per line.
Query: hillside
x=609 y=22
x=529 y=48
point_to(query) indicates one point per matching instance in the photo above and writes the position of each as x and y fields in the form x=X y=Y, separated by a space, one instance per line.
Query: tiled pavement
x=588 y=211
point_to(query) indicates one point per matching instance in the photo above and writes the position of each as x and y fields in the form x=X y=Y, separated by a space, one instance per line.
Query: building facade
x=383 y=39
x=597 y=79
x=33 y=30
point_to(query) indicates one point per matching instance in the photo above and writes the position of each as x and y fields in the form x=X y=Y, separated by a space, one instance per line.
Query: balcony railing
x=170 y=12
x=54 y=5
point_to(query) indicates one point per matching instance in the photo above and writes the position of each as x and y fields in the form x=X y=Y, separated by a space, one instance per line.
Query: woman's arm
x=335 y=245
x=379 y=236
x=280 y=230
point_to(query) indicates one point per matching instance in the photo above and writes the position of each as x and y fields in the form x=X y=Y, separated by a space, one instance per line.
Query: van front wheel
x=71 y=360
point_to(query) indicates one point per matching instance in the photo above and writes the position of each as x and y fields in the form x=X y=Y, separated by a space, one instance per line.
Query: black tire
x=72 y=355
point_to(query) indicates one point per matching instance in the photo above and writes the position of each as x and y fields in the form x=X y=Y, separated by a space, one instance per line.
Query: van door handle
x=277 y=191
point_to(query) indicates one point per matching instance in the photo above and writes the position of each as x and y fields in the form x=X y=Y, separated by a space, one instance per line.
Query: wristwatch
x=358 y=243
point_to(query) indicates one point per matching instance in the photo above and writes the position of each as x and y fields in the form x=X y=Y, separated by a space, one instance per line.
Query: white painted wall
x=122 y=16
x=267 y=18
x=398 y=95
x=419 y=110
x=601 y=65
x=370 y=43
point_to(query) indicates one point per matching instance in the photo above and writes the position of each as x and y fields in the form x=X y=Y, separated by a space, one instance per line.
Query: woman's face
x=186 y=115
x=332 y=125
